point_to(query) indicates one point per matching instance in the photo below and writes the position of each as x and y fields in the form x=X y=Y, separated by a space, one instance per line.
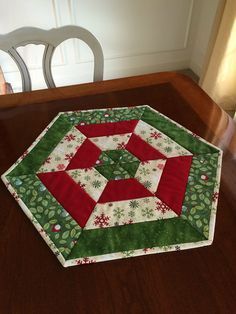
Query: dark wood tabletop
x=201 y=280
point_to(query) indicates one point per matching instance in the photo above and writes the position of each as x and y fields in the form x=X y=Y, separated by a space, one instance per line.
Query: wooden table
x=202 y=280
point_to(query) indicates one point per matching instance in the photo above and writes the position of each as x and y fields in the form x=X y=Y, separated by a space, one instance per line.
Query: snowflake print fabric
x=64 y=152
x=115 y=183
x=128 y=212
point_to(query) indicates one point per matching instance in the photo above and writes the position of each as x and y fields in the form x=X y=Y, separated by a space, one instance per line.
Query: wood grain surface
x=202 y=280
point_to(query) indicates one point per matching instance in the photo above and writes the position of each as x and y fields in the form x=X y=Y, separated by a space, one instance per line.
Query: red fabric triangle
x=69 y=194
x=124 y=189
x=85 y=157
x=109 y=128
x=142 y=150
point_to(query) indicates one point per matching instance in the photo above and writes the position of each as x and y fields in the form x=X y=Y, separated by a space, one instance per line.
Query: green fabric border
x=47 y=211
x=179 y=135
x=197 y=204
x=108 y=115
x=32 y=162
x=158 y=233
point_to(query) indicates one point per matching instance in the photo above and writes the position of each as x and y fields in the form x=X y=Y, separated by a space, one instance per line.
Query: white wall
x=137 y=36
x=202 y=22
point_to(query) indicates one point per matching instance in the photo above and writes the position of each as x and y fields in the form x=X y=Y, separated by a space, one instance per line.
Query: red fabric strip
x=172 y=186
x=142 y=150
x=125 y=189
x=69 y=194
x=109 y=128
x=85 y=157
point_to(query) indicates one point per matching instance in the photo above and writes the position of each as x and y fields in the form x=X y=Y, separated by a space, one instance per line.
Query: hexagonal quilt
x=113 y=183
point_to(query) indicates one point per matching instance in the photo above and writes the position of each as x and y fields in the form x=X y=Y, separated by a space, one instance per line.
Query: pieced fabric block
x=114 y=183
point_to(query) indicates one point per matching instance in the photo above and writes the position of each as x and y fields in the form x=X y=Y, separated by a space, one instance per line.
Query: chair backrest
x=50 y=39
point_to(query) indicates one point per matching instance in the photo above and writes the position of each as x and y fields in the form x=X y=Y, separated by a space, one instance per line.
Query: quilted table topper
x=114 y=183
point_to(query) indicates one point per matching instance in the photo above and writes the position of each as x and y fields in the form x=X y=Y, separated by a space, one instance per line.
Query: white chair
x=50 y=39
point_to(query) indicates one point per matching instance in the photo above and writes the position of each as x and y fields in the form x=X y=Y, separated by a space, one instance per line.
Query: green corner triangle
x=114 y=154
x=131 y=167
x=117 y=164
x=105 y=159
x=120 y=173
x=106 y=170
x=127 y=157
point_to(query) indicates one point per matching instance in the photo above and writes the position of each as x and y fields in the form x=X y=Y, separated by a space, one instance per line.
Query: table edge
x=86 y=89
